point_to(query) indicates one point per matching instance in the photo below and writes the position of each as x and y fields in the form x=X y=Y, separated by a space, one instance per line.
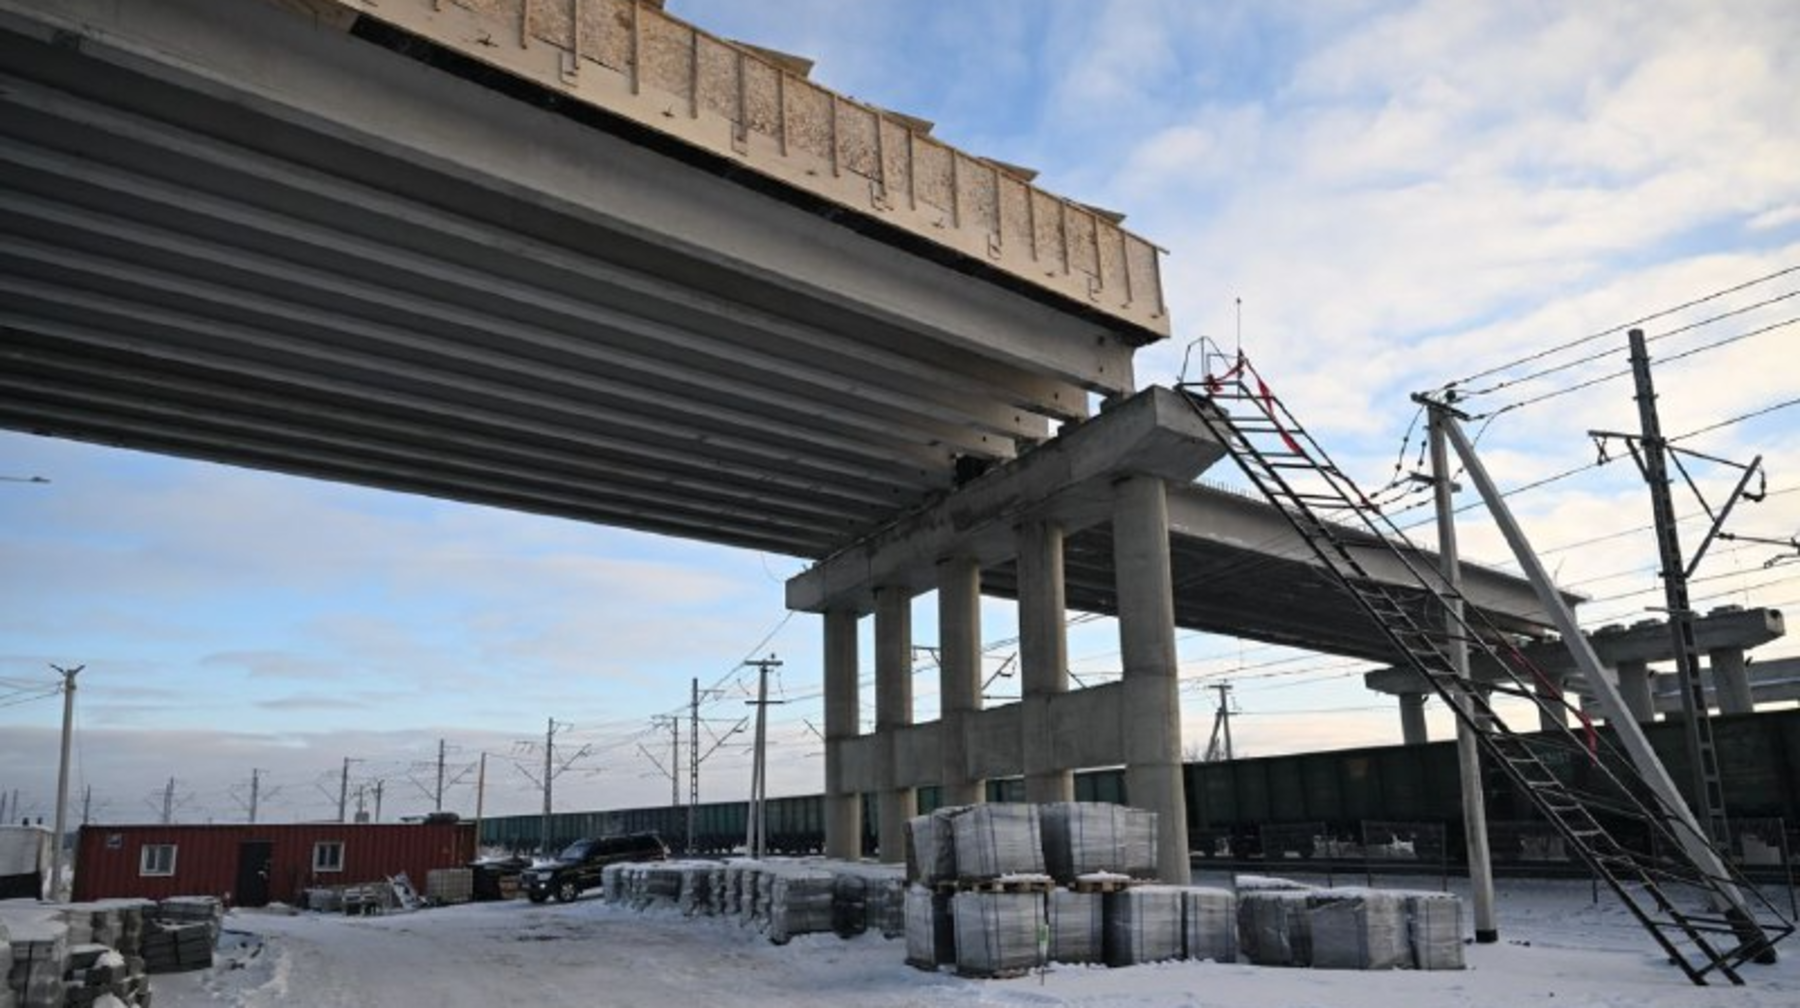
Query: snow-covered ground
x=1557 y=948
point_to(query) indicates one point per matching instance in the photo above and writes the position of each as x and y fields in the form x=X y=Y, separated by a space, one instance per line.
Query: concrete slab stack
x=1272 y=926
x=1143 y=924
x=868 y=897
x=1209 y=924
x=1363 y=930
x=800 y=900
x=40 y=957
x=931 y=846
x=1077 y=926
x=1084 y=837
x=1434 y=930
x=930 y=928
x=999 y=934
x=998 y=840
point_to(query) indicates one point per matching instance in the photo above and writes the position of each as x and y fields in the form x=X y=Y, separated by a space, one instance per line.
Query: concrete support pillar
x=1412 y=719
x=959 y=675
x=893 y=710
x=1731 y=680
x=1043 y=659
x=843 y=713
x=1634 y=689
x=1151 y=708
x=1553 y=715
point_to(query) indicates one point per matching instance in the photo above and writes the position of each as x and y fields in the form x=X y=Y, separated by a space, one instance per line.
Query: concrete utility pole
x=62 y=779
x=1221 y=727
x=168 y=812
x=549 y=777
x=1468 y=753
x=480 y=798
x=344 y=791
x=255 y=790
x=693 y=758
x=439 y=807
x=759 y=776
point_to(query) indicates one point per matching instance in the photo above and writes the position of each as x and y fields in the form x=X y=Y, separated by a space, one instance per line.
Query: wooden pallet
x=997 y=886
x=1102 y=885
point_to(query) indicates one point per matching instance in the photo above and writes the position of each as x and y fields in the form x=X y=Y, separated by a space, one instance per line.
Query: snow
x=1558 y=947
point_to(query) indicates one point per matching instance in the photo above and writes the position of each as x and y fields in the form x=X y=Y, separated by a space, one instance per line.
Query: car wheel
x=537 y=897
x=566 y=892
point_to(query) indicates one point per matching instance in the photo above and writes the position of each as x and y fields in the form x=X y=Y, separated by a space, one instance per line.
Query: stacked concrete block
x=696 y=888
x=999 y=933
x=800 y=901
x=194 y=909
x=39 y=950
x=612 y=882
x=1360 y=930
x=1077 y=926
x=1209 y=924
x=172 y=947
x=931 y=846
x=1143 y=924
x=1082 y=838
x=1272 y=926
x=998 y=841
x=1434 y=930
x=98 y=974
x=930 y=928
x=449 y=886
x=868 y=897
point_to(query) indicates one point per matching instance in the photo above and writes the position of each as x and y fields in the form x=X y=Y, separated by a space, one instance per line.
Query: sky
x=1371 y=198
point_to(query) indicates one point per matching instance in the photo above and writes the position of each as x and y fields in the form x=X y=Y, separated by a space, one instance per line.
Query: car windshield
x=577 y=850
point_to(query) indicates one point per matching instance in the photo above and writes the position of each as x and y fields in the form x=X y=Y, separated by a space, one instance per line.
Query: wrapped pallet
x=1085 y=837
x=1434 y=930
x=39 y=946
x=612 y=882
x=1364 y=929
x=799 y=902
x=931 y=846
x=449 y=886
x=1272 y=926
x=696 y=888
x=1209 y=924
x=1143 y=924
x=998 y=840
x=1077 y=926
x=930 y=928
x=999 y=933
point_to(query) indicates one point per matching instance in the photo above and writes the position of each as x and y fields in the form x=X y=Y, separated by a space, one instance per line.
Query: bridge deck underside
x=311 y=255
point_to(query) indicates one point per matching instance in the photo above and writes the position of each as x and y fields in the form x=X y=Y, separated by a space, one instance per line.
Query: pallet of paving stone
x=999 y=934
x=1209 y=924
x=1077 y=926
x=800 y=901
x=997 y=839
x=930 y=928
x=40 y=958
x=1434 y=930
x=868 y=897
x=1087 y=837
x=931 y=846
x=1143 y=924
x=1360 y=930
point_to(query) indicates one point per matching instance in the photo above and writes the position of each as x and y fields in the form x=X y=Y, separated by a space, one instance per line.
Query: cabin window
x=157 y=859
x=328 y=856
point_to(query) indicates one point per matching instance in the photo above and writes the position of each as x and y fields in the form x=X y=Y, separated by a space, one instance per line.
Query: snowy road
x=1560 y=950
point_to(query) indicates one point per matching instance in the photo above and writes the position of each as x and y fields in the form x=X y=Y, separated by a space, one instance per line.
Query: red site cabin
x=254 y=864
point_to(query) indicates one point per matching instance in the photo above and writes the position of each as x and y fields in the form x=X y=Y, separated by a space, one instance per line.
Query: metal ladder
x=1579 y=781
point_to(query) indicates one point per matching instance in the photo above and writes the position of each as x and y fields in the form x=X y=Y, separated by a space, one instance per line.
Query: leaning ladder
x=1577 y=779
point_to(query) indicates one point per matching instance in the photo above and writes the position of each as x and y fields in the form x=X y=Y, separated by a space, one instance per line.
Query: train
x=1236 y=807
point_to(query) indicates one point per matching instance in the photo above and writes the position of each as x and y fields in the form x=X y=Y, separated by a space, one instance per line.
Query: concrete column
x=959 y=675
x=1554 y=715
x=893 y=710
x=1151 y=708
x=1731 y=680
x=1412 y=719
x=1043 y=659
x=843 y=713
x=1634 y=689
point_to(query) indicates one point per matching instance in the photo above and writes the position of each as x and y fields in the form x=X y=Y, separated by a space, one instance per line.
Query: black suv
x=577 y=868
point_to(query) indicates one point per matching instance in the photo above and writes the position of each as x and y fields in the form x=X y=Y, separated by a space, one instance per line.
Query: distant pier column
x=959 y=675
x=1412 y=719
x=1731 y=680
x=1043 y=658
x=893 y=711
x=843 y=808
x=1151 y=705
x=1634 y=689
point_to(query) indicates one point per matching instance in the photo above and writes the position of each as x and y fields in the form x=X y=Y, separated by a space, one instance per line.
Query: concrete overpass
x=585 y=260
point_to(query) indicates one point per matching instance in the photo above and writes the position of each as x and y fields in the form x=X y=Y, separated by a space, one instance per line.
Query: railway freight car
x=1232 y=803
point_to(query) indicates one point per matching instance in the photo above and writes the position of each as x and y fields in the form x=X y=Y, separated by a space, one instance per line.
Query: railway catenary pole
x=62 y=779
x=1468 y=755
